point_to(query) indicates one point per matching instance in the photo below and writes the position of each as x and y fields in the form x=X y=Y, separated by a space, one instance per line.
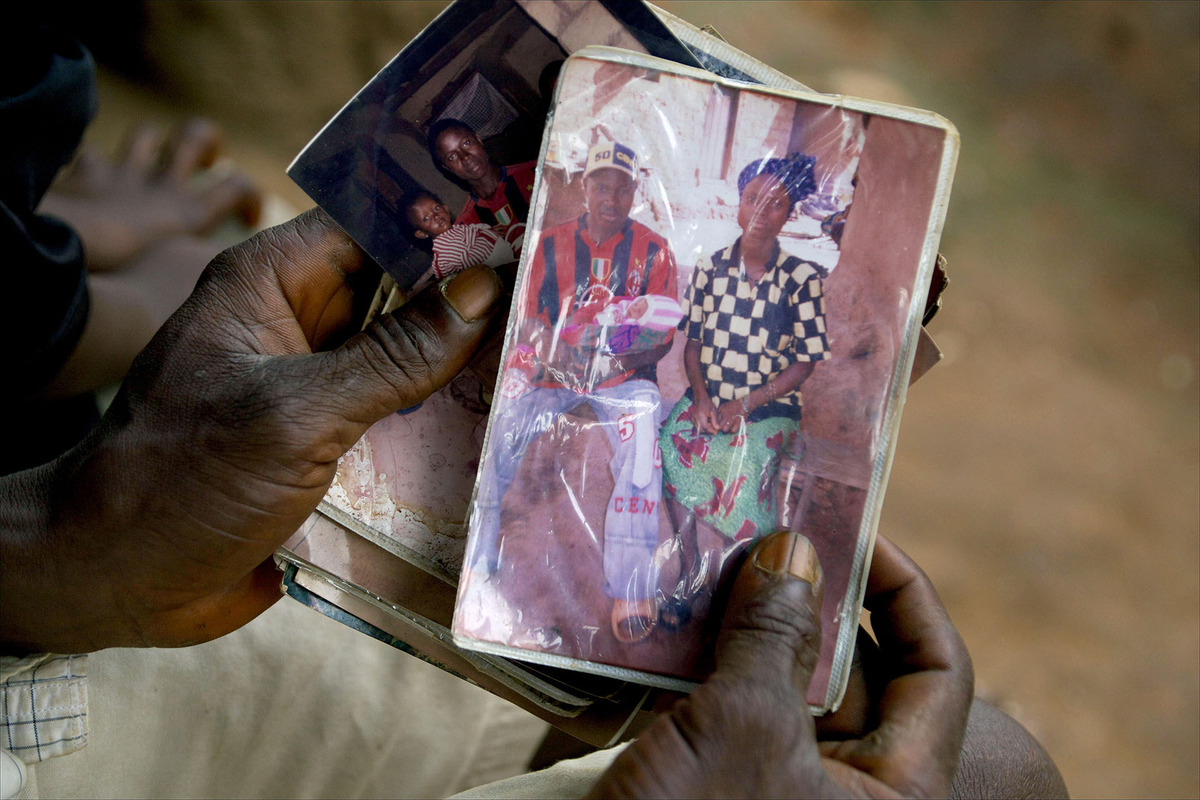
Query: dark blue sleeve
x=47 y=98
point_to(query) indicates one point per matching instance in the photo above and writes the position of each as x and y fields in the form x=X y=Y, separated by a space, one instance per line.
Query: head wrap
x=795 y=172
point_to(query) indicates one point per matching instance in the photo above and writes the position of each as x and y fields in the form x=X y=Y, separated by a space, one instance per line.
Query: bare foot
x=152 y=191
x=128 y=306
x=143 y=219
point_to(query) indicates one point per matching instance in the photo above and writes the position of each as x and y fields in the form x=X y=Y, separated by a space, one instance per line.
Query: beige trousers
x=292 y=705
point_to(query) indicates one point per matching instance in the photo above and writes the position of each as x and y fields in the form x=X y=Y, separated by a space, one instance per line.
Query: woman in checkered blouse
x=755 y=326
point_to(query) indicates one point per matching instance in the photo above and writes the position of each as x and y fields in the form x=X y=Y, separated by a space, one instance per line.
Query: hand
x=578 y=368
x=747 y=730
x=730 y=416
x=704 y=416
x=121 y=207
x=159 y=528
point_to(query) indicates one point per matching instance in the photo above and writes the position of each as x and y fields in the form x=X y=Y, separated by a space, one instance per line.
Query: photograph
x=717 y=297
x=431 y=165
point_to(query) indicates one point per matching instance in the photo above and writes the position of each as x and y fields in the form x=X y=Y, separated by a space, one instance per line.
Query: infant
x=456 y=247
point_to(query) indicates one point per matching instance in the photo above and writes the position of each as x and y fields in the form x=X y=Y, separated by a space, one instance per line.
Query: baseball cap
x=611 y=155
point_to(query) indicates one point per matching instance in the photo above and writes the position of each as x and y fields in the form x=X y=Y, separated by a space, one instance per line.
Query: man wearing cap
x=586 y=262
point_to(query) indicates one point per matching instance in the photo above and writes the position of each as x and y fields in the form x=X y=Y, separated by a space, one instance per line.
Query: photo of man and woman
x=709 y=329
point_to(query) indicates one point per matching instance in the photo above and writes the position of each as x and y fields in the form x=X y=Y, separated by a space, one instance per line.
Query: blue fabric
x=47 y=98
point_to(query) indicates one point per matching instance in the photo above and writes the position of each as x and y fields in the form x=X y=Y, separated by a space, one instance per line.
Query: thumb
x=772 y=626
x=752 y=705
x=403 y=357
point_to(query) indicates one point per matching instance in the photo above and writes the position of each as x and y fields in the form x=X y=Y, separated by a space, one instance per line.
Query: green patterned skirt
x=727 y=480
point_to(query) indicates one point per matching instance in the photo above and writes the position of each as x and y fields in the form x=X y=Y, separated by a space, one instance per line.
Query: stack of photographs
x=578 y=595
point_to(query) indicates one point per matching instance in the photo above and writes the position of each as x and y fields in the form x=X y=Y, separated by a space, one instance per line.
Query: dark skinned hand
x=158 y=529
x=747 y=731
x=730 y=416
x=704 y=416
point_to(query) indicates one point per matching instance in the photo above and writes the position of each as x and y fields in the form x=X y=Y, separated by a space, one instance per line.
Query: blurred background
x=1048 y=471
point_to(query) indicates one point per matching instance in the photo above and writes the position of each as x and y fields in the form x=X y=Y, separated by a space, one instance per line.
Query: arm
x=806 y=303
x=660 y=280
x=465 y=246
x=632 y=361
x=704 y=415
x=787 y=381
x=791 y=379
x=158 y=529
x=591 y=367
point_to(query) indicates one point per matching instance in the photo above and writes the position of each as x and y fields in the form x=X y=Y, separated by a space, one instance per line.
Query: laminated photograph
x=716 y=315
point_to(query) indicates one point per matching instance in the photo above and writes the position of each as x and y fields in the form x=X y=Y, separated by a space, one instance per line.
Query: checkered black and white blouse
x=750 y=332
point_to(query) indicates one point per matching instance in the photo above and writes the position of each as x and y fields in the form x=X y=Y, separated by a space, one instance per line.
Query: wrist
x=59 y=591
x=767 y=393
x=52 y=591
x=24 y=539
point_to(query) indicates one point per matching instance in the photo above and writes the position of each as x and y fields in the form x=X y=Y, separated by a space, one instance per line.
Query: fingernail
x=471 y=292
x=788 y=553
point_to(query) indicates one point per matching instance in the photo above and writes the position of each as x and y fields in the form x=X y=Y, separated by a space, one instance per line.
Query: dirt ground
x=1047 y=471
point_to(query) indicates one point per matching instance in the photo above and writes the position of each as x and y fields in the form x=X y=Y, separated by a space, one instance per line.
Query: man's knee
x=1002 y=759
